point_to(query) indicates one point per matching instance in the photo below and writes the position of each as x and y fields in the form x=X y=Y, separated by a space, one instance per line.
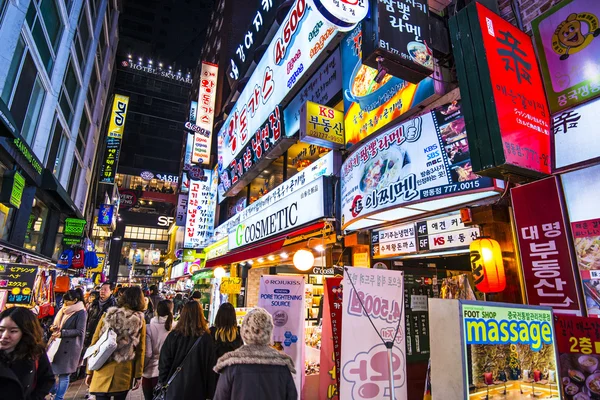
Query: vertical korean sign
x=200 y=212
x=18 y=281
x=331 y=339
x=206 y=113
x=114 y=137
x=519 y=98
x=578 y=342
x=283 y=298
x=365 y=370
x=545 y=254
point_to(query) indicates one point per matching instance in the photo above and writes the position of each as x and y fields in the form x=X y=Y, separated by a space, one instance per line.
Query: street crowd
x=165 y=347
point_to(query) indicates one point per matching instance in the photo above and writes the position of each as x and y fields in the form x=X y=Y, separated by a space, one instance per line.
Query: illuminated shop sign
x=169 y=74
x=287 y=59
x=206 y=113
x=322 y=126
x=201 y=208
x=112 y=150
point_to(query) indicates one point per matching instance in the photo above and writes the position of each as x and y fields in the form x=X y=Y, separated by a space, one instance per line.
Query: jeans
x=61 y=387
x=148 y=385
x=115 y=396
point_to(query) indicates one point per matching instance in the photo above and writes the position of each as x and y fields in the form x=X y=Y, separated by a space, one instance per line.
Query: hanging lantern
x=219 y=272
x=487 y=265
x=304 y=260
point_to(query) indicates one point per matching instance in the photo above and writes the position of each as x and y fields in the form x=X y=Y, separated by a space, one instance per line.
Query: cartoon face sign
x=575 y=34
x=569 y=32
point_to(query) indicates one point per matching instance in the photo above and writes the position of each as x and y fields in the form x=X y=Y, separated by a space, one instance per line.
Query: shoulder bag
x=160 y=391
x=101 y=351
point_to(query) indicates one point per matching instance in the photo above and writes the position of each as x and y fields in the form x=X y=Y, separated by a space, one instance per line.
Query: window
x=93 y=87
x=36 y=225
x=62 y=148
x=69 y=92
x=43 y=19
x=141 y=233
x=82 y=38
x=74 y=177
x=6 y=213
x=301 y=155
x=33 y=111
x=84 y=127
x=269 y=178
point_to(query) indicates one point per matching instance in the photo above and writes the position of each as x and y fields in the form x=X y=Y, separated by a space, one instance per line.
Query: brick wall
x=530 y=9
x=253 y=285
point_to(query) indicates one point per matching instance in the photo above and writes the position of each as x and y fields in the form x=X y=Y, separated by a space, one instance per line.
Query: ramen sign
x=422 y=159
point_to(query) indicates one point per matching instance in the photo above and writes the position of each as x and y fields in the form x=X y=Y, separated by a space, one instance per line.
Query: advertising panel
x=322 y=88
x=370 y=105
x=18 y=281
x=105 y=214
x=376 y=295
x=180 y=216
x=206 y=113
x=548 y=268
x=231 y=285
x=283 y=298
x=110 y=161
x=424 y=158
x=573 y=144
x=116 y=125
x=283 y=214
x=322 y=126
x=512 y=349
x=566 y=38
x=286 y=60
x=578 y=343
x=200 y=215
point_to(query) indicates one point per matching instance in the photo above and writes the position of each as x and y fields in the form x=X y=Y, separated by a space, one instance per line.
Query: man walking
x=97 y=310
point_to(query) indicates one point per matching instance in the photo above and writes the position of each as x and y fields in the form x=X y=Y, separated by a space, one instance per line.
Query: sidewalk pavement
x=78 y=389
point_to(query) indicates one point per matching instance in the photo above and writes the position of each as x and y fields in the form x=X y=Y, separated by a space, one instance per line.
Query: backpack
x=65 y=259
x=63 y=284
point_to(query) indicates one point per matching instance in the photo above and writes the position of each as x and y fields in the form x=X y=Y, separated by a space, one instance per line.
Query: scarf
x=67 y=312
x=252 y=354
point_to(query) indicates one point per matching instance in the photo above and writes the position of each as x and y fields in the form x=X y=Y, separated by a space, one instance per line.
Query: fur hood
x=255 y=354
x=127 y=324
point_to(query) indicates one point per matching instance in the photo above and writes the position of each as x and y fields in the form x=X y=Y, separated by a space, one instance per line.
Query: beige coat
x=118 y=376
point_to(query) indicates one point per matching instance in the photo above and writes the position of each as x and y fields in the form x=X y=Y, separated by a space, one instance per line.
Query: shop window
x=237 y=203
x=301 y=155
x=269 y=178
x=143 y=233
x=35 y=226
x=58 y=241
x=6 y=213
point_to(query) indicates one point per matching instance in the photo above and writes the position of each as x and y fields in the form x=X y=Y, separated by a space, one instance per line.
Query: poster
x=283 y=298
x=424 y=158
x=568 y=46
x=586 y=235
x=364 y=370
x=231 y=285
x=518 y=341
x=18 y=281
x=578 y=343
x=369 y=107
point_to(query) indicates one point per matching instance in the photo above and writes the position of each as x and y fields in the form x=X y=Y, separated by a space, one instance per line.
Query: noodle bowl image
x=365 y=91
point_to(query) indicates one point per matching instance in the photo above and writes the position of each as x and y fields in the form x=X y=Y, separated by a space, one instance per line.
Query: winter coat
x=221 y=348
x=66 y=360
x=196 y=380
x=95 y=313
x=155 y=337
x=127 y=362
x=17 y=379
x=255 y=372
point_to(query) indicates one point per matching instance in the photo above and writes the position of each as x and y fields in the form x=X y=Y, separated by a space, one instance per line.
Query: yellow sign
x=361 y=260
x=231 y=285
x=321 y=125
x=117 y=117
x=100 y=267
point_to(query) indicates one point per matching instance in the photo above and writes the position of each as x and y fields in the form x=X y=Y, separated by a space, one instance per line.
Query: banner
x=578 y=343
x=329 y=378
x=231 y=285
x=283 y=298
x=364 y=365
x=18 y=281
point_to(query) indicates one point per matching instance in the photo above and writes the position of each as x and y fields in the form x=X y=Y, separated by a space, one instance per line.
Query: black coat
x=196 y=380
x=225 y=347
x=256 y=381
x=95 y=313
x=66 y=359
x=19 y=379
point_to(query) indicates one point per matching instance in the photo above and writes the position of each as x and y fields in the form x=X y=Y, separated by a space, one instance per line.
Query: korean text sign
x=231 y=285
x=116 y=125
x=578 y=342
x=364 y=365
x=287 y=59
x=424 y=158
x=18 y=281
x=546 y=259
x=519 y=98
x=567 y=41
x=321 y=125
x=200 y=212
x=283 y=298
x=206 y=113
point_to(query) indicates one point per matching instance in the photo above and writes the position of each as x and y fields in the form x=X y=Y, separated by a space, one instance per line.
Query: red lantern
x=487 y=265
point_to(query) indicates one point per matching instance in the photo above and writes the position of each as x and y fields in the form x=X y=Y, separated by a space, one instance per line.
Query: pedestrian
x=156 y=333
x=94 y=295
x=123 y=370
x=25 y=371
x=97 y=310
x=69 y=327
x=256 y=370
x=177 y=303
x=195 y=378
x=155 y=296
x=226 y=333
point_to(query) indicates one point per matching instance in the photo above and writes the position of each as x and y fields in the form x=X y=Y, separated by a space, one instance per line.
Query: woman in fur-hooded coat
x=256 y=370
x=123 y=370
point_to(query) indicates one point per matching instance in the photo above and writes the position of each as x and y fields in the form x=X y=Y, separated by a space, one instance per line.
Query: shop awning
x=261 y=248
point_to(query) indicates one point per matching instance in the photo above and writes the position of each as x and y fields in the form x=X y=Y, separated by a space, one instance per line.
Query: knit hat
x=257 y=327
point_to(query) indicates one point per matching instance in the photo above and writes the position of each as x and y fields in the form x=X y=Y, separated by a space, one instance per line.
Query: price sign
x=18 y=280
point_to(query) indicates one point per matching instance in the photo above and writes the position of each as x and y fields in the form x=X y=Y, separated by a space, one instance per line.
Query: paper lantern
x=219 y=272
x=487 y=265
x=304 y=260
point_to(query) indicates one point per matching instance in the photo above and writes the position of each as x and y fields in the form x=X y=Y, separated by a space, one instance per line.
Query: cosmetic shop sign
x=283 y=215
x=292 y=52
x=425 y=158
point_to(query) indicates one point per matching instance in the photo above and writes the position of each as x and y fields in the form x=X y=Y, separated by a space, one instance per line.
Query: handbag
x=100 y=352
x=53 y=348
x=160 y=391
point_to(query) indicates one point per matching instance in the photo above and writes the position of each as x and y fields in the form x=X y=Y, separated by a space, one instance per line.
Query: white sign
x=418 y=302
x=445 y=233
x=218 y=250
x=182 y=201
x=345 y=14
x=365 y=367
x=206 y=113
x=200 y=217
x=165 y=221
x=288 y=213
x=323 y=166
x=399 y=239
x=573 y=142
x=283 y=298
x=287 y=59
